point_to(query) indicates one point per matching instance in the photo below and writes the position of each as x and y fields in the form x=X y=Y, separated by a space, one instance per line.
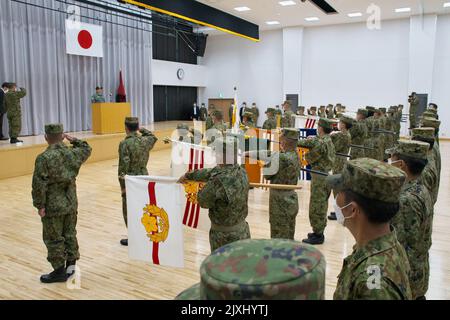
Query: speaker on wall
x=201 y=44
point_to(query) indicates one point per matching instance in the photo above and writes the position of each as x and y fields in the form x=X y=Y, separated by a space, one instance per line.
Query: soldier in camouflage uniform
x=322 y=112
x=55 y=196
x=301 y=111
x=367 y=200
x=330 y=111
x=358 y=133
x=255 y=111
x=414 y=220
x=276 y=269
x=341 y=141
x=429 y=177
x=413 y=109
x=225 y=194
x=14 y=111
x=247 y=122
x=433 y=123
x=270 y=123
x=203 y=112
x=312 y=111
x=218 y=128
x=373 y=141
x=184 y=134
x=98 y=97
x=133 y=158
x=283 y=204
x=321 y=157
x=209 y=120
x=287 y=119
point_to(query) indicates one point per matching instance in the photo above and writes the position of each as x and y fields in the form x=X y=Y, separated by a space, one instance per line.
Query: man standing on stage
x=14 y=111
x=3 y=90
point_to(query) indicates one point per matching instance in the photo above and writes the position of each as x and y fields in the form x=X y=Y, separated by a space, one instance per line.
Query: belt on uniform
x=232 y=228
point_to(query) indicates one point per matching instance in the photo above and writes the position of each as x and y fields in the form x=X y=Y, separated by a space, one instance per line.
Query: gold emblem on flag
x=192 y=188
x=156 y=222
x=302 y=154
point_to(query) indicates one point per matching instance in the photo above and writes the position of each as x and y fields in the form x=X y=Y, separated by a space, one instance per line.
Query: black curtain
x=173 y=103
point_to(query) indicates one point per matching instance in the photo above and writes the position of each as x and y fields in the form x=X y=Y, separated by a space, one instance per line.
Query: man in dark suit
x=3 y=92
x=242 y=110
x=195 y=112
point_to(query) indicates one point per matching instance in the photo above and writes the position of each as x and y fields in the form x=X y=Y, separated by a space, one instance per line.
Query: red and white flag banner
x=188 y=157
x=155 y=231
x=309 y=122
x=84 y=39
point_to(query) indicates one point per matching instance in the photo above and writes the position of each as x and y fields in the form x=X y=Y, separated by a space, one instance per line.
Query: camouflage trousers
x=221 y=235
x=124 y=208
x=15 y=124
x=419 y=276
x=60 y=238
x=412 y=117
x=318 y=204
x=283 y=210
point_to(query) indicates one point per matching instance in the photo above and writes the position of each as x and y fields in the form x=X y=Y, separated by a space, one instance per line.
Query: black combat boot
x=13 y=140
x=70 y=267
x=314 y=238
x=332 y=216
x=58 y=275
x=124 y=242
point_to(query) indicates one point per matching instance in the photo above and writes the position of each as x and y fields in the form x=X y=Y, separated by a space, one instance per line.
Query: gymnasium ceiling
x=263 y=11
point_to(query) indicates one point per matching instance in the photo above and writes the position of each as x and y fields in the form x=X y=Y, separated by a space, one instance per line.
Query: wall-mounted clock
x=180 y=74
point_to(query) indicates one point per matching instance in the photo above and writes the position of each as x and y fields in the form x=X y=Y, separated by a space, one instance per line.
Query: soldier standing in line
x=321 y=157
x=55 y=196
x=301 y=111
x=413 y=109
x=225 y=194
x=255 y=111
x=14 y=111
x=313 y=111
x=270 y=123
x=287 y=119
x=133 y=158
x=218 y=128
x=322 y=112
x=341 y=141
x=358 y=133
x=367 y=200
x=209 y=120
x=203 y=112
x=283 y=204
x=413 y=223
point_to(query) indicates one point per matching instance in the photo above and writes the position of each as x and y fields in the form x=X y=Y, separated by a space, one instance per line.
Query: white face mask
x=390 y=162
x=339 y=215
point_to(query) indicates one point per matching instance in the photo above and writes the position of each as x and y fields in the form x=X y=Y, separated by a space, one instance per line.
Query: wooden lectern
x=109 y=117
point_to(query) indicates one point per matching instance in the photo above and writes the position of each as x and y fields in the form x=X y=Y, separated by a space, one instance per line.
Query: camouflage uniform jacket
x=54 y=177
x=203 y=113
x=270 y=124
x=134 y=153
x=225 y=193
x=341 y=141
x=209 y=123
x=287 y=120
x=211 y=136
x=384 y=256
x=255 y=112
x=429 y=178
x=289 y=168
x=413 y=224
x=12 y=100
x=321 y=155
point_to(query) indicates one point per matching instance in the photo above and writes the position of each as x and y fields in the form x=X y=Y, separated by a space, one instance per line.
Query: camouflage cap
x=270 y=110
x=326 y=123
x=313 y=108
x=364 y=112
x=54 y=128
x=275 y=269
x=378 y=110
x=248 y=114
x=433 y=106
x=346 y=119
x=322 y=107
x=193 y=293
x=424 y=132
x=287 y=102
x=411 y=149
x=131 y=120
x=217 y=113
x=290 y=133
x=429 y=114
x=182 y=126
x=301 y=107
x=369 y=108
x=430 y=122
x=370 y=178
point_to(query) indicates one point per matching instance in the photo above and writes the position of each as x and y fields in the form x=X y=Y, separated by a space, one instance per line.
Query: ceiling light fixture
x=355 y=14
x=241 y=9
x=287 y=3
x=312 y=19
x=447 y=5
x=401 y=10
x=271 y=23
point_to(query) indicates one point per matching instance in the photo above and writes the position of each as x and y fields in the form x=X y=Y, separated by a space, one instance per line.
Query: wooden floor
x=106 y=271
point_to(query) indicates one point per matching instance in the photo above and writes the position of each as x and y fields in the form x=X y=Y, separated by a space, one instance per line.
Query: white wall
x=165 y=73
x=254 y=68
x=441 y=74
x=355 y=66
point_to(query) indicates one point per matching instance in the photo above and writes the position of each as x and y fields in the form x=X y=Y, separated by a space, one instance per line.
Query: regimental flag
x=84 y=39
x=235 y=120
x=155 y=230
x=187 y=157
x=121 y=93
x=308 y=122
x=304 y=133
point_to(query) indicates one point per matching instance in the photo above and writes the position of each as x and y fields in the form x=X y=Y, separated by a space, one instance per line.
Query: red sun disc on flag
x=85 y=39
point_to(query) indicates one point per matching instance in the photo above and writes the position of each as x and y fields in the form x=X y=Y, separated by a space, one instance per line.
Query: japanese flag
x=84 y=39
x=155 y=231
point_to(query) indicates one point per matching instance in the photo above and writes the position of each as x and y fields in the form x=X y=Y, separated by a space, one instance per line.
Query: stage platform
x=19 y=160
